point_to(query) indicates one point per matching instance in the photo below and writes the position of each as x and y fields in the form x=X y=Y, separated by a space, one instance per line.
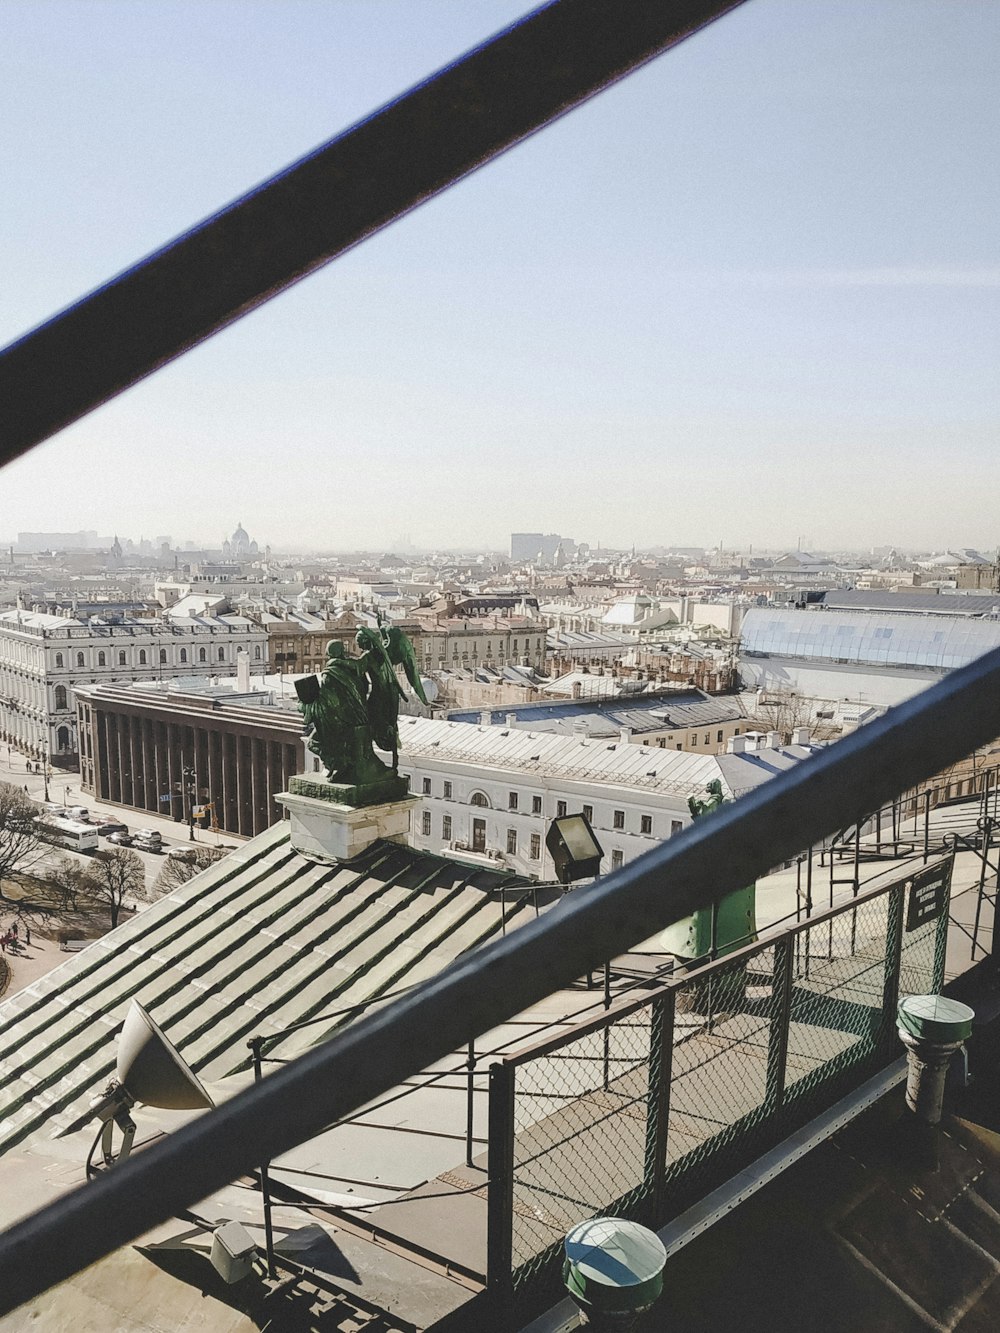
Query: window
x=512 y=842
x=59 y=659
x=588 y=813
x=736 y=732
x=446 y=827
x=675 y=826
x=60 y=696
x=694 y=741
x=536 y=846
x=426 y=787
x=62 y=738
x=142 y=657
x=79 y=659
x=478 y=799
x=708 y=738
x=447 y=791
x=256 y=654
x=512 y=800
x=718 y=736
x=617 y=860
x=619 y=819
x=222 y=654
x=184 y=654
x=560 y=809
x=536 y=805
x=645 y=823
x=425 y=823
x=201 y=655
x=121 y=657
x=163 y=654
x=102 y=659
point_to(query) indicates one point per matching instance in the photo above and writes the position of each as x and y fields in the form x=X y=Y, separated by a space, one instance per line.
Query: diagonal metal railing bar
x=457 y=120
x=710 y=858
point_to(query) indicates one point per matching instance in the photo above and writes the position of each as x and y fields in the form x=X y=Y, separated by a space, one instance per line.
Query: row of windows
x=480 y=801
x=102 y=657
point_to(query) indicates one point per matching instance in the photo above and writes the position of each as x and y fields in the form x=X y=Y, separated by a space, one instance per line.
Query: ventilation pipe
x=932 y=1028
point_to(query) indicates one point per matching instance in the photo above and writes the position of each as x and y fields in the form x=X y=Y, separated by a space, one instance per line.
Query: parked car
x=111 y=826
x=79 y=812
x=147 y=841
x=121 y=839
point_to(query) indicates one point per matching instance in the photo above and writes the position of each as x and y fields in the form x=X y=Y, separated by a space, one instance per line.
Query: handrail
x=712 y=857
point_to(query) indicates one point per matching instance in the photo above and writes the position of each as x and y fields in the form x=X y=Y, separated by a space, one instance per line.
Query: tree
x=19 y=842
x=113 y=876
x=178 y=869
x=66 y=881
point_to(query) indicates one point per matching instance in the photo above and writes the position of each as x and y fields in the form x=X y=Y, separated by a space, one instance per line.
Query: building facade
x=44 y=659
x=136 y=743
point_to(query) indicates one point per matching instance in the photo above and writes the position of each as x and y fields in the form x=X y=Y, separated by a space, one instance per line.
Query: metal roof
x=690 y=708
x=923 y=603
x=578 y=759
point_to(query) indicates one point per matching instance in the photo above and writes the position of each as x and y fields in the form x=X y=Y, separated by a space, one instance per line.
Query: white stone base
x=326 y=831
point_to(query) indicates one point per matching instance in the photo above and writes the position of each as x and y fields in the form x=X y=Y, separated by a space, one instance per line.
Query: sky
x=748 y=295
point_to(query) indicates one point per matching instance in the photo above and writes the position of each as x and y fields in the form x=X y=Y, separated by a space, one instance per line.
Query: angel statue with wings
x=355 y=705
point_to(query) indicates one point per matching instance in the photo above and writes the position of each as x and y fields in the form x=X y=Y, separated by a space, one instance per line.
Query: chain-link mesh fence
x=647 y=1108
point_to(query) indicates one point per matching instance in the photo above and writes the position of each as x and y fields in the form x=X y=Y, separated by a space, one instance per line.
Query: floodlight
x=575 y=851
x=149 y=1069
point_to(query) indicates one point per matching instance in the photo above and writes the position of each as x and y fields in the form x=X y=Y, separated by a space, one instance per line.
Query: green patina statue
x=355 y=706
x=715 y=799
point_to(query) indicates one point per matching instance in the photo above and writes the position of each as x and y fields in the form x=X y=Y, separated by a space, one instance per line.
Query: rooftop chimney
x=242 y=671
x=625 y=735
x=800 y=736
x=485 y=717
x=511 y=719
x=773 y=740
x=737 y=745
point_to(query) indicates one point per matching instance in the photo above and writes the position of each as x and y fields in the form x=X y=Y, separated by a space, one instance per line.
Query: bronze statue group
x=354 y=705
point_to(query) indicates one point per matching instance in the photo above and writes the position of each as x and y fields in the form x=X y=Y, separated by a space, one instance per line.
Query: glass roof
x=886 y=640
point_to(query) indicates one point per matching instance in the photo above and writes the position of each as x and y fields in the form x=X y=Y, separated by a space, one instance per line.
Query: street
x=64 y=789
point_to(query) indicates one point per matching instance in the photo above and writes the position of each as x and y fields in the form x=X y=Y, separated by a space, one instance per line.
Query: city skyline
x=751 y=283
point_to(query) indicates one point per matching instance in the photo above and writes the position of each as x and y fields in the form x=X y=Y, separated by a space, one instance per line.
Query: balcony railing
x=346 y=191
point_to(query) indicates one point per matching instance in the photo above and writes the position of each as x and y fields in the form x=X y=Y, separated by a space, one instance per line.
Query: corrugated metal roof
x=262 y=940
x=924 y=603
x=577 y=759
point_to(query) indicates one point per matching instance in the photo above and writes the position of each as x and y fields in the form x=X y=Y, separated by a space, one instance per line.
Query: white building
x=43 y=658
x=489 y=794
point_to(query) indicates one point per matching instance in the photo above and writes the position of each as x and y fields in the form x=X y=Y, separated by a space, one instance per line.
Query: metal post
x=777 y=1036
x=470 y=1102
x=607 y=1026
x=255 y=1044
x=500 y=1200
x=661 y=1060
x=927 y=827
x=893 y=957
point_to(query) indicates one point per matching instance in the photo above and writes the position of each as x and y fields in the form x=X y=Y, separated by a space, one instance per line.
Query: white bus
x=71 y=833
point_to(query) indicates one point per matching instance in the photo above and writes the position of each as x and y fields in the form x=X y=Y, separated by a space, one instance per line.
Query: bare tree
x=19 y=843
x=177 y=870
x=113 y=876
x=66 y=881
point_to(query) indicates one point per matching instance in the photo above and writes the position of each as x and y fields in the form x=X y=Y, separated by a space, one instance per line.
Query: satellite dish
x=151 y=1070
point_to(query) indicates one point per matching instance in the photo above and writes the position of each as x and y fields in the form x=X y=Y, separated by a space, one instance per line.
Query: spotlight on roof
x=575 y=851
x=149 y=1069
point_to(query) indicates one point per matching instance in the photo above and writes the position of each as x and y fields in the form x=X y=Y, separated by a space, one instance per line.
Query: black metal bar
x=661 y=1072
x=710 y=857
x=255 y=1044
x=470 y=1107
x=500 y=1199
x=321 y=206
x=777 y=1032
x=893 y=956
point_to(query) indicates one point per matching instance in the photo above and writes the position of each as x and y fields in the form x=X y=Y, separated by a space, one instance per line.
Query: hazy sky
x=749 y=294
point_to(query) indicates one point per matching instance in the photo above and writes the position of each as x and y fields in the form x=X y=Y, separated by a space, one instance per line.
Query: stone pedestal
x=326 y=827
